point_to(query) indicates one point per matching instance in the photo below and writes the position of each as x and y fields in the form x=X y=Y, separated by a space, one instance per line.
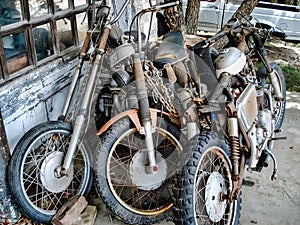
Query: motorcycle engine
x=264 y=124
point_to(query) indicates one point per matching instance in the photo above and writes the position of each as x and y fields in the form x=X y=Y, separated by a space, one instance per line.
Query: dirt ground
x=277 y=202
x=266 y=202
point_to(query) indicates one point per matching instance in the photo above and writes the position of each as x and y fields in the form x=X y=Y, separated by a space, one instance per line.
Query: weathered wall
x=39 y=95
x=34 y=98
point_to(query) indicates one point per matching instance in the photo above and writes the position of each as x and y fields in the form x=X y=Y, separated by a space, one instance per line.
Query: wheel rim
x=42 y=189
x=213 y=184
x=125 y=158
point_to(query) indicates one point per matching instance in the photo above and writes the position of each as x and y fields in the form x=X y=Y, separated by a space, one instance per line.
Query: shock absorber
x=145 y=115
x=232 y=127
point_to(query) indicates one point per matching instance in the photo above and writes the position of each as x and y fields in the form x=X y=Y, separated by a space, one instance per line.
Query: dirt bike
x=52 y=161
x=251 y=93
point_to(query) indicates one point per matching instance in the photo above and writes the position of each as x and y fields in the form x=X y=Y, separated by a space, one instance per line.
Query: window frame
x=27 y=24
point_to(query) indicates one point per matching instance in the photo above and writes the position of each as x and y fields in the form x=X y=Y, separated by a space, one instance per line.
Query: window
x=35 y=31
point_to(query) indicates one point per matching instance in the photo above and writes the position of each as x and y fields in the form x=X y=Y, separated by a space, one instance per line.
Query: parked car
x=214 y=14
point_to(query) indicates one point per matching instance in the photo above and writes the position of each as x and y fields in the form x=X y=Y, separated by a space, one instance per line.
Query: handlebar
x=234 y=27
x=154 y=8
x=209 y=41
x=120 y=13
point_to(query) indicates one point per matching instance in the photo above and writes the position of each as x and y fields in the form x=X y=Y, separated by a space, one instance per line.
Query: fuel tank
x=230 y=60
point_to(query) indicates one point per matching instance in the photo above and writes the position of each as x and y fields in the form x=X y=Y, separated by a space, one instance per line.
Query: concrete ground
x=266 y=202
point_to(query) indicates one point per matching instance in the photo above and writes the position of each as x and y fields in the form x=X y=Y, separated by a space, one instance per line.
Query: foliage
x=292 y=77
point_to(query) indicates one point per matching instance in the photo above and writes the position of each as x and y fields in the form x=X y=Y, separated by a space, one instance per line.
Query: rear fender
x=134 y=117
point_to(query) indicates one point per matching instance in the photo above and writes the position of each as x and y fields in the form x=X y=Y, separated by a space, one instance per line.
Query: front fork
x=145 y=114
x=80 y=121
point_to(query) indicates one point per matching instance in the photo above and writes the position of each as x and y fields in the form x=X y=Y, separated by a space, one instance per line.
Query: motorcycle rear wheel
x=122 y=181
x=32 y=177
x=203 y=186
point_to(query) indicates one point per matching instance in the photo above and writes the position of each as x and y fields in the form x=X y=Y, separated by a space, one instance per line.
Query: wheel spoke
x=127 y=171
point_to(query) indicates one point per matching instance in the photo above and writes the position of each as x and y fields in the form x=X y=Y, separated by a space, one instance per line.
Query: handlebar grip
x=278 y=34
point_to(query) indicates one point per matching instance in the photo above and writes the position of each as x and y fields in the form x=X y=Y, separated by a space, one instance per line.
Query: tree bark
x=174 y=16
x=192 y=16
x=245 y=8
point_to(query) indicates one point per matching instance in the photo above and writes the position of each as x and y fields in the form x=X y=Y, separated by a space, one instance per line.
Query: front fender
x=134 y=117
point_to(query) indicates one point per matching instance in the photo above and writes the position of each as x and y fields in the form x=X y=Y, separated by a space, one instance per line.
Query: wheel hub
x=139 y=175
x=214 y=202
x=48 y=175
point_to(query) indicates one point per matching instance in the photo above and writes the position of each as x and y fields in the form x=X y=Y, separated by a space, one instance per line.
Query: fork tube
x=84 y=50
x=80 y=122
x=145 y=112
x=274 y=79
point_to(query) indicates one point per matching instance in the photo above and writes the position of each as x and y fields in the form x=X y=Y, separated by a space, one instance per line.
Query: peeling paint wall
x=32 y=98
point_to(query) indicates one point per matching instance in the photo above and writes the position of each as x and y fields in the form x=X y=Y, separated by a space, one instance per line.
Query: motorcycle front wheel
x=203 y=186
x=33 y=171
x=123 y=182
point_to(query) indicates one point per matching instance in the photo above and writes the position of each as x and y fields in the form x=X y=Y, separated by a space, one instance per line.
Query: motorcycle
x=53 y=161
x=247 y=107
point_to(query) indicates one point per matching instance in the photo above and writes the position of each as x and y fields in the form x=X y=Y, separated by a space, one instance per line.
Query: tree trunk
x=174 y=16
x=192 y=15
x=245 y=8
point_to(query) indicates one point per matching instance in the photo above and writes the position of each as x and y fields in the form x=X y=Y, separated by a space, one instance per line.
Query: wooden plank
x=70 y=211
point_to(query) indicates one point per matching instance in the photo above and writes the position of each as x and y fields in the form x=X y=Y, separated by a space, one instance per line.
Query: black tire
x=278 y=106
x=201 y=183
x=130 y=193
x=34 y=186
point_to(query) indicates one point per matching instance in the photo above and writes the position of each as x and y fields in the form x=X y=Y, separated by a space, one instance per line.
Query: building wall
x=38 y=96
x=34 y=98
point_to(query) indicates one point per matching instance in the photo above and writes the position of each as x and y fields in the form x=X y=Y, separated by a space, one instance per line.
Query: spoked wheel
x=203 y=188
x=34 y=171
x=278 y=107
x=123 y=182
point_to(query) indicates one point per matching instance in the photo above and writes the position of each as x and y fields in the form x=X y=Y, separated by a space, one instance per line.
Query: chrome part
x=79 y=125
x=254 y=151
x=276 y=86
x=192 y=129
x=152 y=167
x=246 y=106
x=139 y=174
x=232 y=127
x=50 y=173
x=214 y=192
